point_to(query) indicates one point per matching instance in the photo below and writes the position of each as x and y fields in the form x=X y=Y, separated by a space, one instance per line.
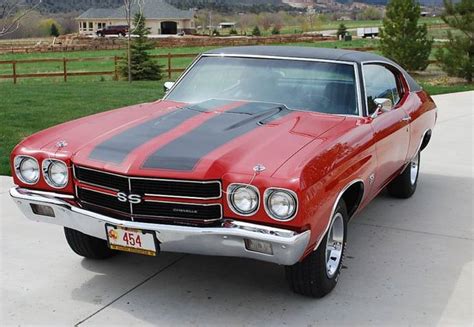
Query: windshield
x=301 y=85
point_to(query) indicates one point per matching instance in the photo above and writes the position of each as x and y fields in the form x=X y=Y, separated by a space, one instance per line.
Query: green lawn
x=28 y=108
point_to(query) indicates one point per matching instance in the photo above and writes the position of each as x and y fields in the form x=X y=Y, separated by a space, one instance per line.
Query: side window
x=380 y=82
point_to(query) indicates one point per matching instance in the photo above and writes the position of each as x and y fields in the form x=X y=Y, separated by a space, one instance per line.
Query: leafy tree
x=256 y=31
x=142 y=66
x=401 y=39
x=54 y=30
x=457 y=56
x=341 y=31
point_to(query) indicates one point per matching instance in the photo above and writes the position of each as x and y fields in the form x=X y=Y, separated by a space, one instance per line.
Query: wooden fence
x=65 y=73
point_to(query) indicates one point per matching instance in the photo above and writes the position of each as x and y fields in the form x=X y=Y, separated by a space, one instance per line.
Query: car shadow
x=395 y=271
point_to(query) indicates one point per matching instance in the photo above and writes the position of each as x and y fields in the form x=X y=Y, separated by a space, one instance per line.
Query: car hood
x=176 y=140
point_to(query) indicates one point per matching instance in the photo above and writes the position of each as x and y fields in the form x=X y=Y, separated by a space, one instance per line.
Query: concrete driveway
x=409 y=262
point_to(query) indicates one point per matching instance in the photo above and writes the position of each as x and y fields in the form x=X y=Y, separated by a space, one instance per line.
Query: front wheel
x=87 y=246
x=318 y=273
x=404 y=185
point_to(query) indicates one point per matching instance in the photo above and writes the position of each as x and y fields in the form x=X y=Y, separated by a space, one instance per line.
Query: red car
x=258 y=152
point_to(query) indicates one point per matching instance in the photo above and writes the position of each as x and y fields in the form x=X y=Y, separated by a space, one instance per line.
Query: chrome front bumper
x=227 y=240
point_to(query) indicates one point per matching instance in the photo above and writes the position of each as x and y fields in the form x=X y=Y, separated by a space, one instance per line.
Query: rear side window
x=380 y=82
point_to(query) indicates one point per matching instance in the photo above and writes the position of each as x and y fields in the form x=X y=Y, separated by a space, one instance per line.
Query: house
x=161 y=18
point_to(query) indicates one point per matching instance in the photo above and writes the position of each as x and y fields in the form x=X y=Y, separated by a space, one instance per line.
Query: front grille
x=177 y=210
x=202 y=190
x=98 y=192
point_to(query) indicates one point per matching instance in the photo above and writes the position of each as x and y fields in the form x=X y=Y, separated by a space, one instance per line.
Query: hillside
x=55 y=6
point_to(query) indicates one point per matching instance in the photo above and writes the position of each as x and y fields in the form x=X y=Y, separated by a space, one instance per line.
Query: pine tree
x=402 y=39
x=54 y=30
x=457 y=56
x=256 y=31
x=142 y=66
x=341 y=31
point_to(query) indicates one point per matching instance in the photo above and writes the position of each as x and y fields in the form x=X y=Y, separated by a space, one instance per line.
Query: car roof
x=358 y=57
x=302 y=52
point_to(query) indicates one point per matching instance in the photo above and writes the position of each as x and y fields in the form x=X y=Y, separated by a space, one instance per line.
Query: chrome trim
x=268 y=211
x=383 y=63
x=234 y=55
x=358 y=90
x=354 y=64
x=17 y=167
x=46 y=174
x=130 y=214
x=339 y=196
x=52 y=194
x=231 y=206
x=227 y=239
x=156 y=179
x=130 y=203
x=386 y=64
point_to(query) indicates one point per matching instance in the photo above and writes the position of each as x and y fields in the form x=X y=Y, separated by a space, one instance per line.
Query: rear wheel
x=318 y=273
x=87 y=246
x=404 y=185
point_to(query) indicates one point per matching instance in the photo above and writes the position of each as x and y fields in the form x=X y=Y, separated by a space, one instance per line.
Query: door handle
x=408 y=118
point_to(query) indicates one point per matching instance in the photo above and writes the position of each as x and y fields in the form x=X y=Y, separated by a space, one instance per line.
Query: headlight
x=280 y=204
x=243 y=199
x=27 y=169
x=55 y=173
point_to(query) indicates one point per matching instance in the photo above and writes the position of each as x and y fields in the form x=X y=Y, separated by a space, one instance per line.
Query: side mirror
x=383 y=105
x=167 y=86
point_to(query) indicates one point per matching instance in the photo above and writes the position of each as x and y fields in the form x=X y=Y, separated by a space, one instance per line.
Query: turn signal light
x=258 y=246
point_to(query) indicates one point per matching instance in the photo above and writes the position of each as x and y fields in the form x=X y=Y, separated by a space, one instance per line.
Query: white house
x=161 y=18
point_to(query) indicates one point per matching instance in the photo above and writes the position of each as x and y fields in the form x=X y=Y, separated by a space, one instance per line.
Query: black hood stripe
x=184 y=152
x=119 y=146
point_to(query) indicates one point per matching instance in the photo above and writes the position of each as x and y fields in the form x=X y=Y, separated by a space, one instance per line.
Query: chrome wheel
x=414 y=169
x=334 y=245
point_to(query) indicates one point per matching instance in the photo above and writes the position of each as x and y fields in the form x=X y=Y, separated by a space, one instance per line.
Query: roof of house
x=152 y=9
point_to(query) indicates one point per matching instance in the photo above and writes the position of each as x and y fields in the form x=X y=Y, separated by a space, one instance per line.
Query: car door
x=391 y=128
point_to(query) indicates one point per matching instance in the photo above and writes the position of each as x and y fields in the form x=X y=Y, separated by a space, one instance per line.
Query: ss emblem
x=132 y=198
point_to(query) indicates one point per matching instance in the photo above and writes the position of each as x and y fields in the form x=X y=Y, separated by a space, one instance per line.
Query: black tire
x=310 y=277
x=404 y=186
x=87 y=246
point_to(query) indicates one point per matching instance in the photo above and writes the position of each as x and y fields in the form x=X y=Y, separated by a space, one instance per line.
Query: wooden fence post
x=115 y=68
x=169 y=65
x=65 y=68
x=14 y=71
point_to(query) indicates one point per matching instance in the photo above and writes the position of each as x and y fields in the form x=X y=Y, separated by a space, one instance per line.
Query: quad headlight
x=27 y=169
x=55 y=173
x=243 y=199
x=280 y=204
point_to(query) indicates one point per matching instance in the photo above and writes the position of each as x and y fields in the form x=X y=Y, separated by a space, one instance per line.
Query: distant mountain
x=55 y=6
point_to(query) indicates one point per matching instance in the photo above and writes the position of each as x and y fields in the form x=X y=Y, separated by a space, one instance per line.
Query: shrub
x=401 y=39
x=233 y=31
x=275 y=30
x=142 y=66
x=256 y=31
x=54 y=30
x=457 y=55
x=341 y=31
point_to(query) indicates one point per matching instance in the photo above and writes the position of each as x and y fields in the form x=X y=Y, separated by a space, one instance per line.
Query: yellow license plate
x=131 y=240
